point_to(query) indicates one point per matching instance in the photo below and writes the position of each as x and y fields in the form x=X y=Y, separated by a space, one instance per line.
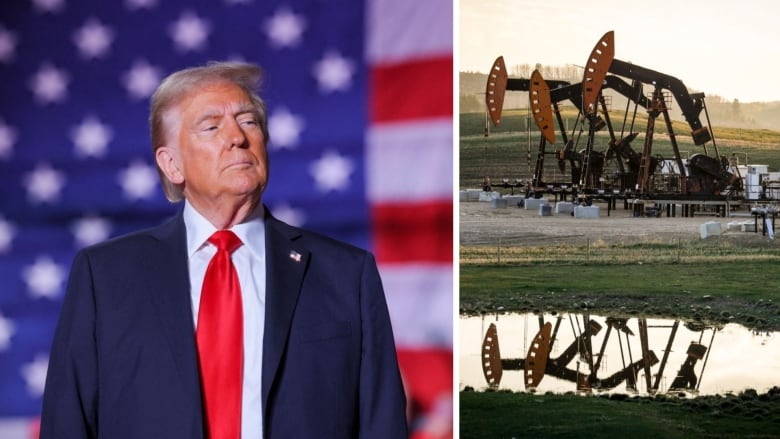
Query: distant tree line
x=722 y=111
x=569 y=72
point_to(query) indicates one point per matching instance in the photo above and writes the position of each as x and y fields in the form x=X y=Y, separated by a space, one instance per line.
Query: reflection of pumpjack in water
x=686 y=376
x=538 y=362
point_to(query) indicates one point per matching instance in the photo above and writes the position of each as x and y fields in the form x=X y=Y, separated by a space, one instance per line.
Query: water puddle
x=589 y=353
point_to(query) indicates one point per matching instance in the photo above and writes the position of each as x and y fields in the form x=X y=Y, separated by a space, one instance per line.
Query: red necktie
x=220 y=340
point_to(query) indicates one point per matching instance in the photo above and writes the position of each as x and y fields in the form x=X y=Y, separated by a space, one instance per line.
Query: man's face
x=221 y=148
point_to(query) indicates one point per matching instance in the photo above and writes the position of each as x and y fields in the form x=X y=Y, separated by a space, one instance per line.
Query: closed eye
x=250 y=124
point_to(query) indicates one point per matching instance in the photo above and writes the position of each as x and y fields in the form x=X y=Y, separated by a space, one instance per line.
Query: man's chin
x=253 y=191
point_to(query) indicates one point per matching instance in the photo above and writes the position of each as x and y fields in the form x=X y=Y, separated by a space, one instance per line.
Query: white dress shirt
x=249 y=260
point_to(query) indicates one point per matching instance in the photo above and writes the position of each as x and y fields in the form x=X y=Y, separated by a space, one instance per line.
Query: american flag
x=359 y=94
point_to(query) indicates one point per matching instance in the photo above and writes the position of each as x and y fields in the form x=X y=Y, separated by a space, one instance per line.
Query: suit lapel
x=286 y=263
x=171 y=296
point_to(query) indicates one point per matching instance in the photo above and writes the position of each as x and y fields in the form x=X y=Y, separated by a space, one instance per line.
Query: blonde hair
x=181 y=84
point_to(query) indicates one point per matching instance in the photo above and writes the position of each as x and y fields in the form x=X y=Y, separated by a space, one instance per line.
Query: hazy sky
x=727 y=48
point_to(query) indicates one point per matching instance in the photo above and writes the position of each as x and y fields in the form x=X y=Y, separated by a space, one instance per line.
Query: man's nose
x=235 y=136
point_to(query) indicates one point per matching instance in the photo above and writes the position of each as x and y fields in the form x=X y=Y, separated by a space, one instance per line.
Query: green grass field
x=497 y=415
x=740 y=292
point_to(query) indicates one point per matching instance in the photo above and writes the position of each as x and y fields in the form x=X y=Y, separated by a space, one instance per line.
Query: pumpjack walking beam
x=602 y=61
x=499 y=82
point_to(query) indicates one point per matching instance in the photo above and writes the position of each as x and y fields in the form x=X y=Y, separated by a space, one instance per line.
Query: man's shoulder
x=313 y=241
x=140 y=239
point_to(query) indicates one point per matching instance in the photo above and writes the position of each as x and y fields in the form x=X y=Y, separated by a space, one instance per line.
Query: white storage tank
x=753 y=178
x=772 y=185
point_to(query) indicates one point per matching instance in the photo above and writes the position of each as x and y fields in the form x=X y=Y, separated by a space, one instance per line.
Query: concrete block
x=534 y=203
x=488 y=196
x=564 y=207
x=513 y=200
x=498 y=203
x=545 y=210
x=586 y=212
x=710 y=228
x=734 y=226
x=473 y=194
x=748 y=226
x=463 y=196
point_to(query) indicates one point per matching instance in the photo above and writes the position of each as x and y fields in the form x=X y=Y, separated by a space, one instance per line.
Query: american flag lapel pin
x=295 y=256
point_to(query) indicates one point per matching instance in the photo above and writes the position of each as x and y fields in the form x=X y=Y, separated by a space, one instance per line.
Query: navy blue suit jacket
x=124 y=362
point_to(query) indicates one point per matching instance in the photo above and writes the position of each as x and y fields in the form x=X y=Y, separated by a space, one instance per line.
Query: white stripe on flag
x=419 y=298
x=16 y=428
x=409 y=161
x=402 y=29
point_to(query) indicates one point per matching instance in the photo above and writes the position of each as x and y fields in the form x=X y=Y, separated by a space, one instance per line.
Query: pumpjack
x=705 y=175
x=545 y=97
x=701 y=176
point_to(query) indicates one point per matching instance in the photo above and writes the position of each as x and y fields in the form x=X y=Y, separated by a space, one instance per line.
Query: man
x=223 y=322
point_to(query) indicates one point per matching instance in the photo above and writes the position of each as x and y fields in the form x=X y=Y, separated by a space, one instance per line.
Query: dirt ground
x=481 y=224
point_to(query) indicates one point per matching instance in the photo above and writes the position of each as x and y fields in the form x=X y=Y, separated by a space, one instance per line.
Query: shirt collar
x=251 y=232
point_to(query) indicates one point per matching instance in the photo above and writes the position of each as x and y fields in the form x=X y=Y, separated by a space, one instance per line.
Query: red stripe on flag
x=420 y=88
x=427 y=374
x=407 y=232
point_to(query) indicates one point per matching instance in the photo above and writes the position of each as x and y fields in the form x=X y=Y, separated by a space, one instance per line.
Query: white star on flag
x=141 y=80
x=44 y=278
x=53 y=6
x=285 y=28
x=93 y=39
x=90 y=230
x=289 y=214
x=7 y=232
x=138 y=180
x=34 y=374
x=331 y=172
x=91 y=138
x=7 y=45
x=8 y=136
x=140 y=4
x=6 y=331
x=285 y=129
x=190 y=32
x=50 y=84
x=334 y=72
x=44 y=183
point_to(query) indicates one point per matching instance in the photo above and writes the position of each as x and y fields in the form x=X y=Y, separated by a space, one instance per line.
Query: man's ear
x=167 y=158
